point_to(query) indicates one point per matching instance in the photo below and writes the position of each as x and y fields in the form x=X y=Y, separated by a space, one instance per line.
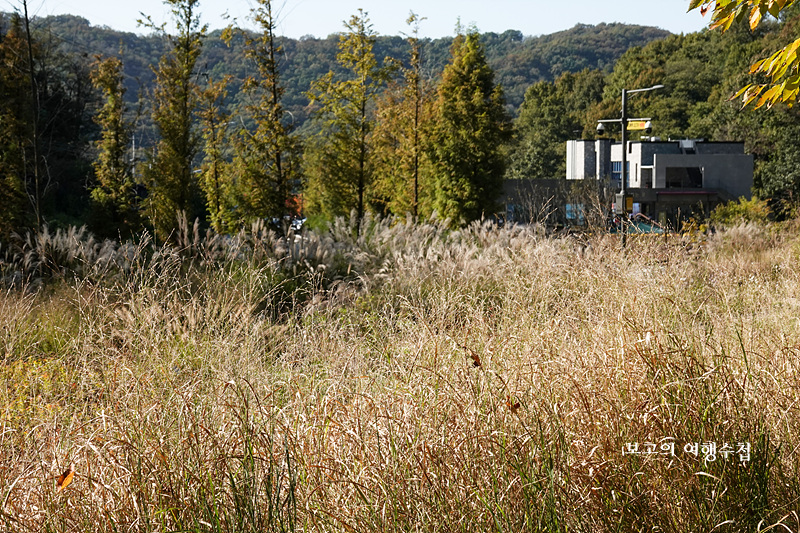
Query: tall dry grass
x=412 y=378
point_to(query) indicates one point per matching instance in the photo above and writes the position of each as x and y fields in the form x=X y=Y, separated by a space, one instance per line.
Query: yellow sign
x=637 y=125
x=623 y=203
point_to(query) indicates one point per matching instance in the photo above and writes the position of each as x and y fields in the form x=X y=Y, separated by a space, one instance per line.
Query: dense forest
x=518 y=61
x=121 y=131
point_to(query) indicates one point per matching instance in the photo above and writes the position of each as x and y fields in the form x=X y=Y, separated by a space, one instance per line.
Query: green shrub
x=740 y=211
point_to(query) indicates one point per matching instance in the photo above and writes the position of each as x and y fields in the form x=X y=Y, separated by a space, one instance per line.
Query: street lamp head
x=653 y=88
x=601 y=129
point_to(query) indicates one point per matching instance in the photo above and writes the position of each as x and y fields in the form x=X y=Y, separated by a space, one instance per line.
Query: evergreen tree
x=169 y=172
x=403 y=114
x=114 y=196
x=341 y=170
x=541 y=128
x=215 y=173
x=14 y=129
x=471 y=129
x=266 y=158
x=551 y=114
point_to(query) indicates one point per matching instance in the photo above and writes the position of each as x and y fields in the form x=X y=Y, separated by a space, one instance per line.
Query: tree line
x=232 y=169
x=379 y=133
x=517 y=60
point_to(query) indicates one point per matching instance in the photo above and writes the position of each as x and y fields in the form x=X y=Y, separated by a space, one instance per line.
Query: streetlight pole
x=623 y=120
x=624 y=124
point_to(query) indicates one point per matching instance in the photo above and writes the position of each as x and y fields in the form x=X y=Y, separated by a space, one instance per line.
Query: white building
x=667 y=179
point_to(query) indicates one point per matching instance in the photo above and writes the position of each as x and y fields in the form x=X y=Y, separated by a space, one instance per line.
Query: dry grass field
x=412 y=379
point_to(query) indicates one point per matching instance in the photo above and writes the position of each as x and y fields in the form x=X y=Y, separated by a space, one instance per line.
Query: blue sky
x=323 y=17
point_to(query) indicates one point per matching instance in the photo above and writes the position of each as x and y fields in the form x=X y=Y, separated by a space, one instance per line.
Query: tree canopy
x=169 y=172
x=114 y=194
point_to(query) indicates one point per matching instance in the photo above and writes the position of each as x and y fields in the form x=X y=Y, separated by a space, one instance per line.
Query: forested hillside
x=517 y=60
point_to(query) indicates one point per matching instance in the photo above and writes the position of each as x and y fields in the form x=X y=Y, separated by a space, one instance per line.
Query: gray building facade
x=669 y=180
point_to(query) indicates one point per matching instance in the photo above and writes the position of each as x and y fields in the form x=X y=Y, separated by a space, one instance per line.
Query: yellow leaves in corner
x=782 y=68
x=724 y=13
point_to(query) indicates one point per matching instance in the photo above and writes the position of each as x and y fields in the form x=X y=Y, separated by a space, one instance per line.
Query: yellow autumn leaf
x=755 y=17
x=769 y=96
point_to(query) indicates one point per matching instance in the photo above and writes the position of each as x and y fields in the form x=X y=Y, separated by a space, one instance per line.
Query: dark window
x=576 y=214
x=647 y=178
x=684 y=177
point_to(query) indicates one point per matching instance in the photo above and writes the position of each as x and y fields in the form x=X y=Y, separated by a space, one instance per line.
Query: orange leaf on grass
x=65 y=478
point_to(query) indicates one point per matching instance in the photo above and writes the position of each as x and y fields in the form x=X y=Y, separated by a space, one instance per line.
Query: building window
x=616 y=171
x=515 y=213
x=647 y=178
x=576 y=214
x=684 y=177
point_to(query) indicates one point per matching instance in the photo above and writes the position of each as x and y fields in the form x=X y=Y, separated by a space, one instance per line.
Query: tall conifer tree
x=215 y=172
x=266 y=156
x=471 y=128
x=114 y=195
x=404 y=112
x=169 y=172
x=342 y=173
